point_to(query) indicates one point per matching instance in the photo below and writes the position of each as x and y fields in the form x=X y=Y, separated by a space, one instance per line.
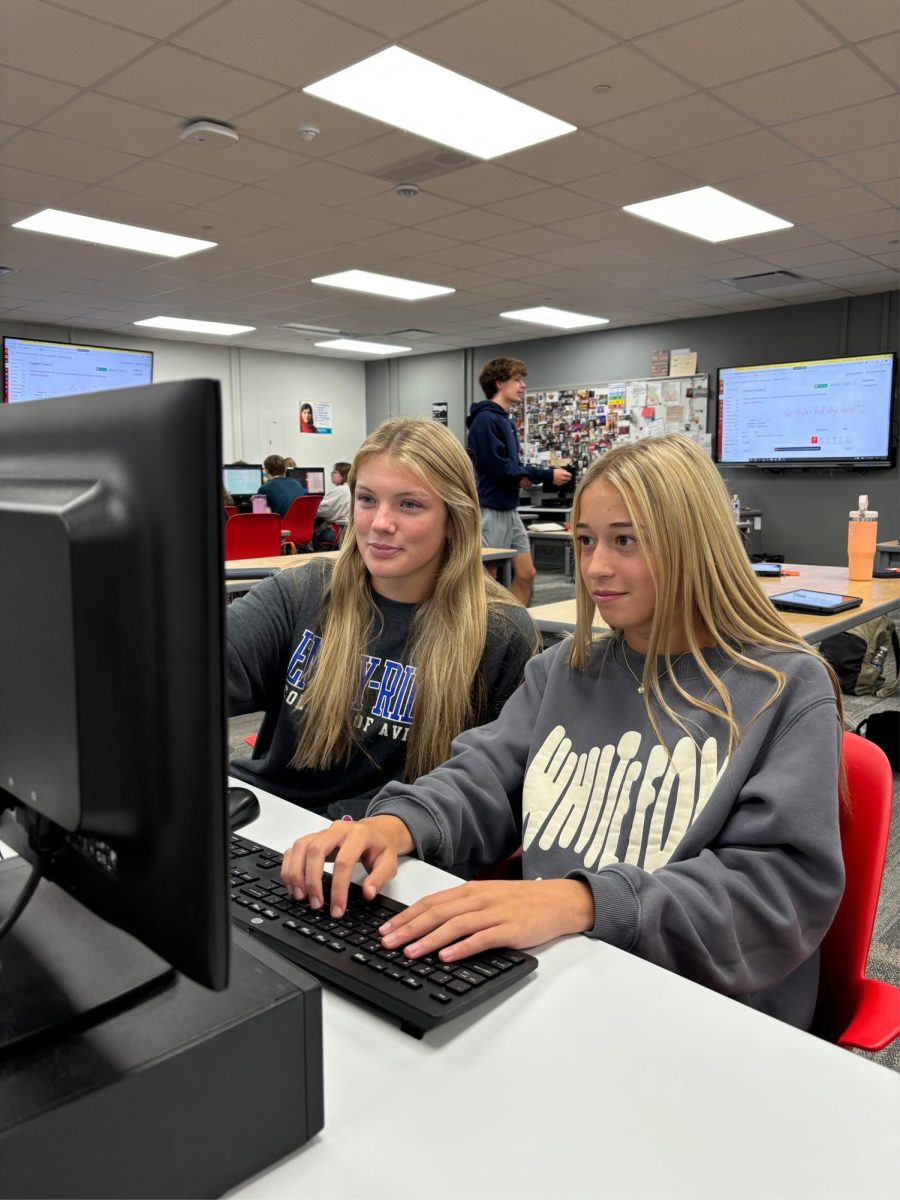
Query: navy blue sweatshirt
x=494 y=449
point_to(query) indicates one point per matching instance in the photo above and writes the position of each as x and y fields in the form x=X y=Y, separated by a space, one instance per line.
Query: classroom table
x=600 y=1075
x=887 y=553
x=878 y=595
x=281 y=562
x=554 y=536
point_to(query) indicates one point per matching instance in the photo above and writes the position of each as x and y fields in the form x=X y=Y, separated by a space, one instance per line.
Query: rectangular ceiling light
x=112 y=233
x=356 y=347
x=557 y=317
x=411 y=93
x=383 y=285
x=707 y=213
x=220 y=328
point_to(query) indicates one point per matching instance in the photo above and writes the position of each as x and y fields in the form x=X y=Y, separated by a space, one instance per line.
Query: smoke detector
x=406 y=190
x=211 y=135
x=309 y=133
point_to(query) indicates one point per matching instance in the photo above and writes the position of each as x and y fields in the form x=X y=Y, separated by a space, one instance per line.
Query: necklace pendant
x=640 y=689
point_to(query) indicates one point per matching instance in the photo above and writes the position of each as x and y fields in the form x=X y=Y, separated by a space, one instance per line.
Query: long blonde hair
x=449 y=628
x=680 y=506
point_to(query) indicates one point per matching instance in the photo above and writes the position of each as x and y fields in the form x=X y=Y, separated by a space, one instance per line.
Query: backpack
x=858 y=656
x=883 y=728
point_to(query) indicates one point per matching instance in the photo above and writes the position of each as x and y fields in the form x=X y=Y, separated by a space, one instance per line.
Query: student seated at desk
x=677 y=778
x=279 y=491
x=366 y=670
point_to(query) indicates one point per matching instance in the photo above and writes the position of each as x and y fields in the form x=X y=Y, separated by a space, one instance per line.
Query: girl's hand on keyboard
x=376 y=842
x=482 y=916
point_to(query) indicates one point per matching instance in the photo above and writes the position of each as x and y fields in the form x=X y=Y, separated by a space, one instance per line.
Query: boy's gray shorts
x=502 y=529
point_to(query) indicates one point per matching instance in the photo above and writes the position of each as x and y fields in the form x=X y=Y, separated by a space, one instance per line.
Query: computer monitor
x=312 y=478
x=242 y=479
x=34 y=369
x=112 y=695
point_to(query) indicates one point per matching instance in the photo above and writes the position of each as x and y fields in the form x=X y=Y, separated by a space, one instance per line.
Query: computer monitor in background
x=112 y=697
x=242 y=480
x=312 y=478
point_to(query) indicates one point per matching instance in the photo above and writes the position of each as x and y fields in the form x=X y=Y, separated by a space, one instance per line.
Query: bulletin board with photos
x=575 y=424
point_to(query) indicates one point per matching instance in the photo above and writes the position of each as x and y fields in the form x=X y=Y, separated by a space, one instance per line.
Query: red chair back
x=851 y=1009
x=253 y=535
x=230 y=510
x=299 y=519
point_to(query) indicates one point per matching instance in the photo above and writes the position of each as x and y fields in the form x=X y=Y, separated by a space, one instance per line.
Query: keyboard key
x=440 y=978
x=472 y=978
x=361 y=958
x=457 y=986
x=411 y=982
x=441 y=997
x=393 y=973
x=337 y=947
x=374 y=965
x=422 y=969
x=484 y=969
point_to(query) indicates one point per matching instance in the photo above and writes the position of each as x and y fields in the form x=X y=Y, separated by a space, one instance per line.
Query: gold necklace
x=640 y=687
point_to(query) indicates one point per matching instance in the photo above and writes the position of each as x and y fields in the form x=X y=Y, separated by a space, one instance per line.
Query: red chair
x=852 y=1010
x=299 y=521
x=230 y=510
x=253 y=535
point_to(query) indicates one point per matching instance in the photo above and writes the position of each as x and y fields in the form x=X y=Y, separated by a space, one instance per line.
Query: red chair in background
x=852 y=1010
x=230 y=510
x=298 y=522
x=253 y=535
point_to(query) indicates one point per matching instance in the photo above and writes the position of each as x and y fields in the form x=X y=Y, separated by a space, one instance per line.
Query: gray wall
x=805 y=512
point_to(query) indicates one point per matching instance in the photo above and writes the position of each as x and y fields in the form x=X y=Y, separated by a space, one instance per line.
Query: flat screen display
x=312 y=478
x=242 y=479
x=822 y=412
x=38 y=370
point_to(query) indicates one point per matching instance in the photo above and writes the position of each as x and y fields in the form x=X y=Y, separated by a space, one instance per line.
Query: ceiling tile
x=870 y=164
x=466 y=256
x=868 y=124
x=411 y=242
x=244 y=162
x=325 y=183
x=833 y=80
x=546 y=205
x=112 y=205
x=736 y=157
x=841 y=229
x=858 y=21
x=26 y=98
x=35 y=189
x=530 y=241
x=105 y=121
x=399 y=211
x=884 y=52
x=25 y=43
x=534 y=36
x=8 y=131
x=802 y=179
x=285 y=243
x=797 y=260
x=679 y=125
x=46 y=153
x=284 y=40
x=256 y=204
x=174 y=81
x=641 y=181
x=888 y=189
x=514 y=268
x=276 y=124
x=748 y=37
x=393 y=18
x=636 y=83
x=607 y=224
x=211 y=226
x=840 y=268
x=170 y=183
x=473 y=225
x=641 y=16
x=340 y=225
x=573 y=156
x=158 y=19
x=484 y=183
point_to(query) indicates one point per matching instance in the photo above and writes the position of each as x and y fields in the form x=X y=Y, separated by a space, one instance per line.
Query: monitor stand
x=155 y=1091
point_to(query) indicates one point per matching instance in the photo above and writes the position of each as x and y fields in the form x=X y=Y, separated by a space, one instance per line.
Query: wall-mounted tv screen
x=820 y=413
x=37 y=370
x=312 y=478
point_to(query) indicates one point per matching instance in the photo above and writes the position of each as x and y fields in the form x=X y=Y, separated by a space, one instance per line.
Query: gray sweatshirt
x=725 y=870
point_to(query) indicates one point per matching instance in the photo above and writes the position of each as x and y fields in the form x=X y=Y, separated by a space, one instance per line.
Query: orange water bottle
x=862 y=533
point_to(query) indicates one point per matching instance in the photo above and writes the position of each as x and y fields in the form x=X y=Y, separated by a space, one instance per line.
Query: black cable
x=24 y=896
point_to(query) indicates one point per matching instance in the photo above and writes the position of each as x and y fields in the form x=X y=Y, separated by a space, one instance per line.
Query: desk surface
x=600 y=1076
x=285 y=561
x=878 y=595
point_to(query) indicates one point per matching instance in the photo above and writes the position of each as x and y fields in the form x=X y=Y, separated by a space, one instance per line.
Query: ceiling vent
x=423 y=166
x=766 y=281
x=412 y=335
x=295 y=327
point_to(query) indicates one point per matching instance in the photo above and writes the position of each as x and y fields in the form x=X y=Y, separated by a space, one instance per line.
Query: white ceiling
x=788 y=104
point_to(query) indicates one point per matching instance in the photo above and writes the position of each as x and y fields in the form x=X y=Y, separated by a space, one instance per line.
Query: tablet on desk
x=804 y=601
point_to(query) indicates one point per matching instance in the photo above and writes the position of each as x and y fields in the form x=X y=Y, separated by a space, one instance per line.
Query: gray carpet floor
x=884 y=956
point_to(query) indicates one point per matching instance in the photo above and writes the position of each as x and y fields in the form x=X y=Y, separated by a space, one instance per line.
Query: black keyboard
x=420 y=993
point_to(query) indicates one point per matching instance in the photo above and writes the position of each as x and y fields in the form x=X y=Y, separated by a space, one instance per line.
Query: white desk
x=601 y=1076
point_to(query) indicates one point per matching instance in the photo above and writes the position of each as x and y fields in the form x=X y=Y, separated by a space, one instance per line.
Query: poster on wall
x=439 y=411
x=315 y=418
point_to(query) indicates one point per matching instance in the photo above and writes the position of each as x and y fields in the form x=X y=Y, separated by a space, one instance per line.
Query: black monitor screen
x=312 y=478
x=242 y=479
x=35 y=370
x=816 y=413
x=112 y=698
